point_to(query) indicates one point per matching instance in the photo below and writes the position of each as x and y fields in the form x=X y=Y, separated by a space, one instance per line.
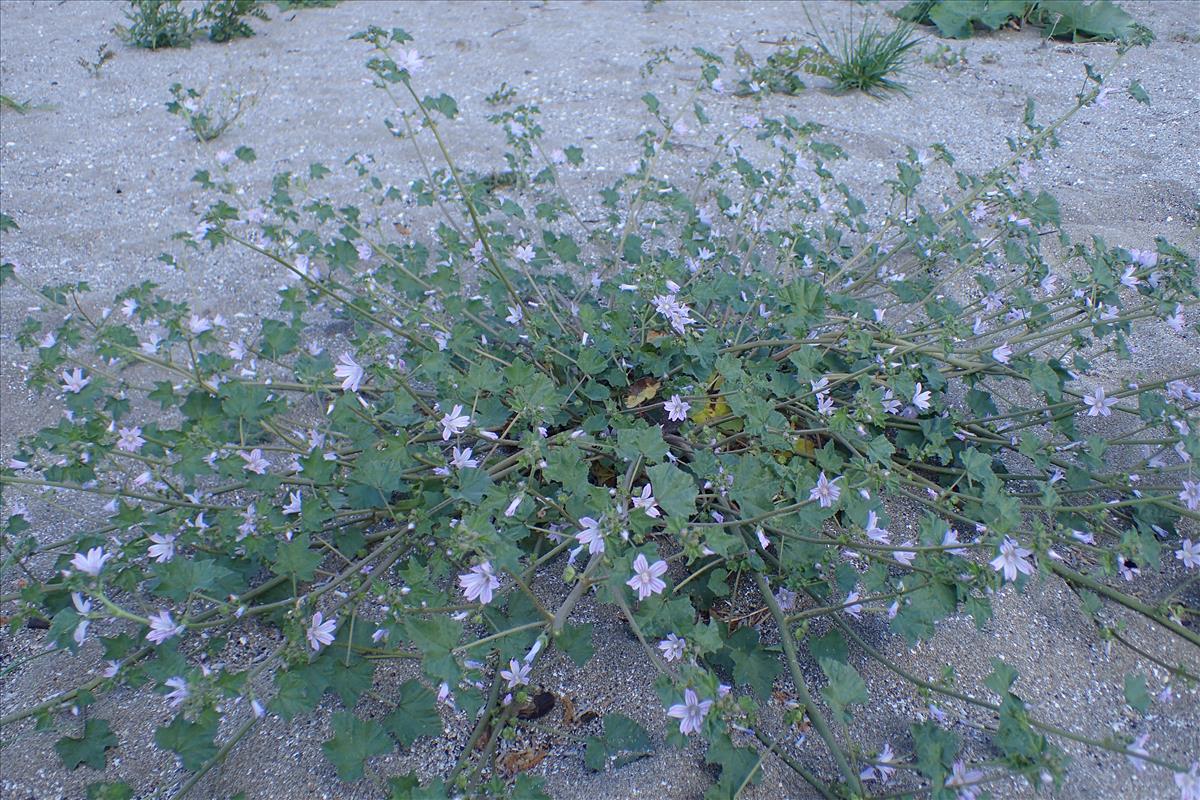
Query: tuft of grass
x=869 y=59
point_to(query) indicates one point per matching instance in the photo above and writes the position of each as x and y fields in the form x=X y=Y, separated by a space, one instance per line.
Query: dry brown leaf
x=568 y=707
x=523 y=760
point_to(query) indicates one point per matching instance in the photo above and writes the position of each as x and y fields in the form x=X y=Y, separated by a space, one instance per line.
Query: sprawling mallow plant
x=699 y=406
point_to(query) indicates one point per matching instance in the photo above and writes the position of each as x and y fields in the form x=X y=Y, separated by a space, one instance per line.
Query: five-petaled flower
x=1012 y=559
x=479 y=583
x=350 y=372
x=179 y=689
x=74 y=381
x=920 y=397
x=964 y=780
x=1190 y=496
x=516 y=674
x=826 y=492
x=676 y=409
x=320 y=631
x=1099 y=405
x=163 y=627
x=462 y=459
x=1189 y=553
x=591 y=535
x=880 y=770
x=646 y=502
x=130 y=439
x=454 y=423
x=92 y=562
x=874 y=532
x=163 y=549
x=672 y=647
x=646 y=578
x=690 y=712
x=255 y=461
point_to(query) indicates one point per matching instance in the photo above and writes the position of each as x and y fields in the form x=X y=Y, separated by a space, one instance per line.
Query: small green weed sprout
x=945 y=57
x=154 y=24
x=103 y=56
x=226 y=19
x=207 y=121
x=867 y=60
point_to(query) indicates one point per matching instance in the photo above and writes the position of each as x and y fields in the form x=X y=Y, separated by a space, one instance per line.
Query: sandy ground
x=98 y=179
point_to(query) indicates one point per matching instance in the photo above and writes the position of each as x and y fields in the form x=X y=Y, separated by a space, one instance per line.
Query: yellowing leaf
x=642 y=390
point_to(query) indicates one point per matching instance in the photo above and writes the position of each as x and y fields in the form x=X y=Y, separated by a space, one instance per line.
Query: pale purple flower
x=1190 y=496
x=1128 y=569
x=891 y=404
x=454 y=423
x=874 y=532
x=525 y=254
x=852 y=606
x=295 y=502
x=130 y=439
x=198 y=324
x=364 y=250
x=646 y=502
x=84 y=607
x=1135 y=749
x=513 y=505
x=1189 y=553
x=179 y=691
x=1189 y=782
x=409 y=60
x=162 y=627
x=676 y=312
x=920 y=398
x=1087 y=537
x=690 y=712
x=672 y=647
x=350 y=372
x=1003 y=353
x=646 y=578
x=92 y=563
x=1129 y=278
x=1175 y=321
x=676 y=409
x=515 y=315
x=1098 y=404
x=905 y=557
x=880 y=771
x=462 y=459
x=951 y=537
x=826 y=492
x=163 y=549
x=961 y=779
x=479 y=583
x=320 y=631
x=74 y=381
x=590 y=535
x=1012 y=559
x=516 y=674
x=255 y=462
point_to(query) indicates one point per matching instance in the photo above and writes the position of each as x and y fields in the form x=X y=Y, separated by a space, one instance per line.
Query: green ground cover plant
x=1099 y=20
x=737 y=383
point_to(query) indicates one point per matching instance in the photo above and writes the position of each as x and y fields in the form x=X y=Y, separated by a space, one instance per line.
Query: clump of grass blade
x=869 y=59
